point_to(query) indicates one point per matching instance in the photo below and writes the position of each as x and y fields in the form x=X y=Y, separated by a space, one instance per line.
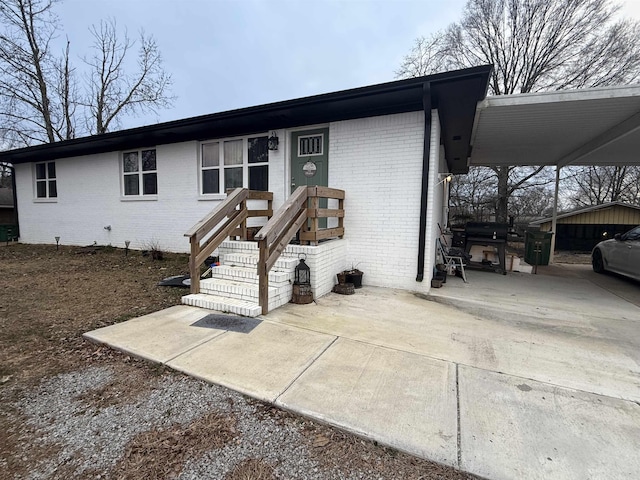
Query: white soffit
x=598 y=126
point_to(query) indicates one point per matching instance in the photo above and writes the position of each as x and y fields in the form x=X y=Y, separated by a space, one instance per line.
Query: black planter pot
x=355 y=278
x=442 y=276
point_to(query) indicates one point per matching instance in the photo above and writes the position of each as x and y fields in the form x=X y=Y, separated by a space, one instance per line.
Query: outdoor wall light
x=445 y=177
x=273 y=141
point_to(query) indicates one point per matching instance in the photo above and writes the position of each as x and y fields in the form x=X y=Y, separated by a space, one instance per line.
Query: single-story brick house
x=386 y=146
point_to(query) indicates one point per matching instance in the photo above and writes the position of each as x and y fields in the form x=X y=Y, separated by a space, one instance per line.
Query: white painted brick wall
x=89 y=198
x=324 y=261
x=378 y=162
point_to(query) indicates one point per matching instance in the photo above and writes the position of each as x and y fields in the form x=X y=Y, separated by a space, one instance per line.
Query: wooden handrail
x=234 y=209
x=301 y=208
x=284 y=215
x=214 y=217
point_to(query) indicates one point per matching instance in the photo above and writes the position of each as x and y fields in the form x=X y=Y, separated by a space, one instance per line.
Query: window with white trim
x=232 y=163
x=139 y=172
x=45 y=178
x=309 y=145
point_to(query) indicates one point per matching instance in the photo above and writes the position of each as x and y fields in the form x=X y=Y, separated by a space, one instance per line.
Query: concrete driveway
x=517 y=376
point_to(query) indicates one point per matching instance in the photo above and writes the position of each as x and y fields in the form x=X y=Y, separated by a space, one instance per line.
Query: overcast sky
x=226 y=54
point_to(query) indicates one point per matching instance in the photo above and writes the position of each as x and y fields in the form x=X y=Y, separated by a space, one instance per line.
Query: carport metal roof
x=599 y=126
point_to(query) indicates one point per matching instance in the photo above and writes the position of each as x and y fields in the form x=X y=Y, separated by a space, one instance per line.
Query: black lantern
x=272 y=143
x=302 y=293
x=303 y=274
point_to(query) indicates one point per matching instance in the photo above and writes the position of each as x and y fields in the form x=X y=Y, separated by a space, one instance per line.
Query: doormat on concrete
x=231 y=323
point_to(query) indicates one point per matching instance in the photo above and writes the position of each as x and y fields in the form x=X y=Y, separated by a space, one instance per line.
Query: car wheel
x=596 y=261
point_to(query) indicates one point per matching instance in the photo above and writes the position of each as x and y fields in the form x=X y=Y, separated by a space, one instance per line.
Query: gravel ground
x=86 y=424
x=72 y=409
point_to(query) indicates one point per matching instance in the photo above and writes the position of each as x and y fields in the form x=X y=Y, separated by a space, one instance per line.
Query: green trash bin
x=8 y=233
x=537 y=247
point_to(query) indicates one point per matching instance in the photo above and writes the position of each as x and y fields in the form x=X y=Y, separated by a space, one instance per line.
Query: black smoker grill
x=488 y=234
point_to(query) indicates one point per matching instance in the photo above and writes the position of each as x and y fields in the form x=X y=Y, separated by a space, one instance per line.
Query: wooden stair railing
x=299 y=213
x=234 y=209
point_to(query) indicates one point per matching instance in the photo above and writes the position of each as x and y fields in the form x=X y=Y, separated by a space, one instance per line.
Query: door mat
x=231 y=323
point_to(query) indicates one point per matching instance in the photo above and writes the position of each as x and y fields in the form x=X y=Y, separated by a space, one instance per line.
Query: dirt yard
x=71 y=409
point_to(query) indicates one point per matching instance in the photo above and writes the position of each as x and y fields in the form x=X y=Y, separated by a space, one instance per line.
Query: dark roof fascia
x=591 y=208
x=387 y=98
x=457 y=101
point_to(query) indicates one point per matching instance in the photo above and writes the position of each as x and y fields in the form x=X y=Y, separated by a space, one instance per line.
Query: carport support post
x=554 y=217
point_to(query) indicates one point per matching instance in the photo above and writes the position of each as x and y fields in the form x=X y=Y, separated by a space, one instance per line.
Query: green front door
x=310 y=146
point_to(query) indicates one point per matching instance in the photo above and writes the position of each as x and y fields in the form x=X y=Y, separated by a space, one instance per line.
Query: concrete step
x=244 y=290
x=250 y=275
x=235 y=246
x=233 y=286
x=223 y=304
x=286 y=264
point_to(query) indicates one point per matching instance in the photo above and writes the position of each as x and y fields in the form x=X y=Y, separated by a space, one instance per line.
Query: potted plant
x=440 y=272
x=354 y=275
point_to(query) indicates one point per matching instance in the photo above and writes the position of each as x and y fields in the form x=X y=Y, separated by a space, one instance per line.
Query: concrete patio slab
x=596 y=354
x=159 y=336
x=261 y=363
x=397 y=398
x=398 y=319
x=569 y=295
x=518 y=377
x=517 y=428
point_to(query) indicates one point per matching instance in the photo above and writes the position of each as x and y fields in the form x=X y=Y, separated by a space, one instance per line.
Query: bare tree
x=531 y=203
x=27 y=71
x=428 y=55
x=595 y=185
x=66 y=90
x=534 y=45
x=41 y=99
x=474 y=196
x=113 y=88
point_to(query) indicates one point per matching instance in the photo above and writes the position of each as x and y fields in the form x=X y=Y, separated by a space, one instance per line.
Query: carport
x=590 y=127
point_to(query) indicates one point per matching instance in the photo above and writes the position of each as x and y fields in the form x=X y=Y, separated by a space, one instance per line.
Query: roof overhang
x=455 y=94
x=579 y=127
x=592 y=208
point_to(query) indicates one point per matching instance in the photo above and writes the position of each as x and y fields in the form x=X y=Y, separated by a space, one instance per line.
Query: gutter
x=422 y=237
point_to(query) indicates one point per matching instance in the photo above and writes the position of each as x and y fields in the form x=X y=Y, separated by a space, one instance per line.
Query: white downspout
x=554 y=217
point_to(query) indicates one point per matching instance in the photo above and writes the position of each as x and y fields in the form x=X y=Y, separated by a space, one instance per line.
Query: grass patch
x=251 y=469
x=163 y=453
x=57 y=295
